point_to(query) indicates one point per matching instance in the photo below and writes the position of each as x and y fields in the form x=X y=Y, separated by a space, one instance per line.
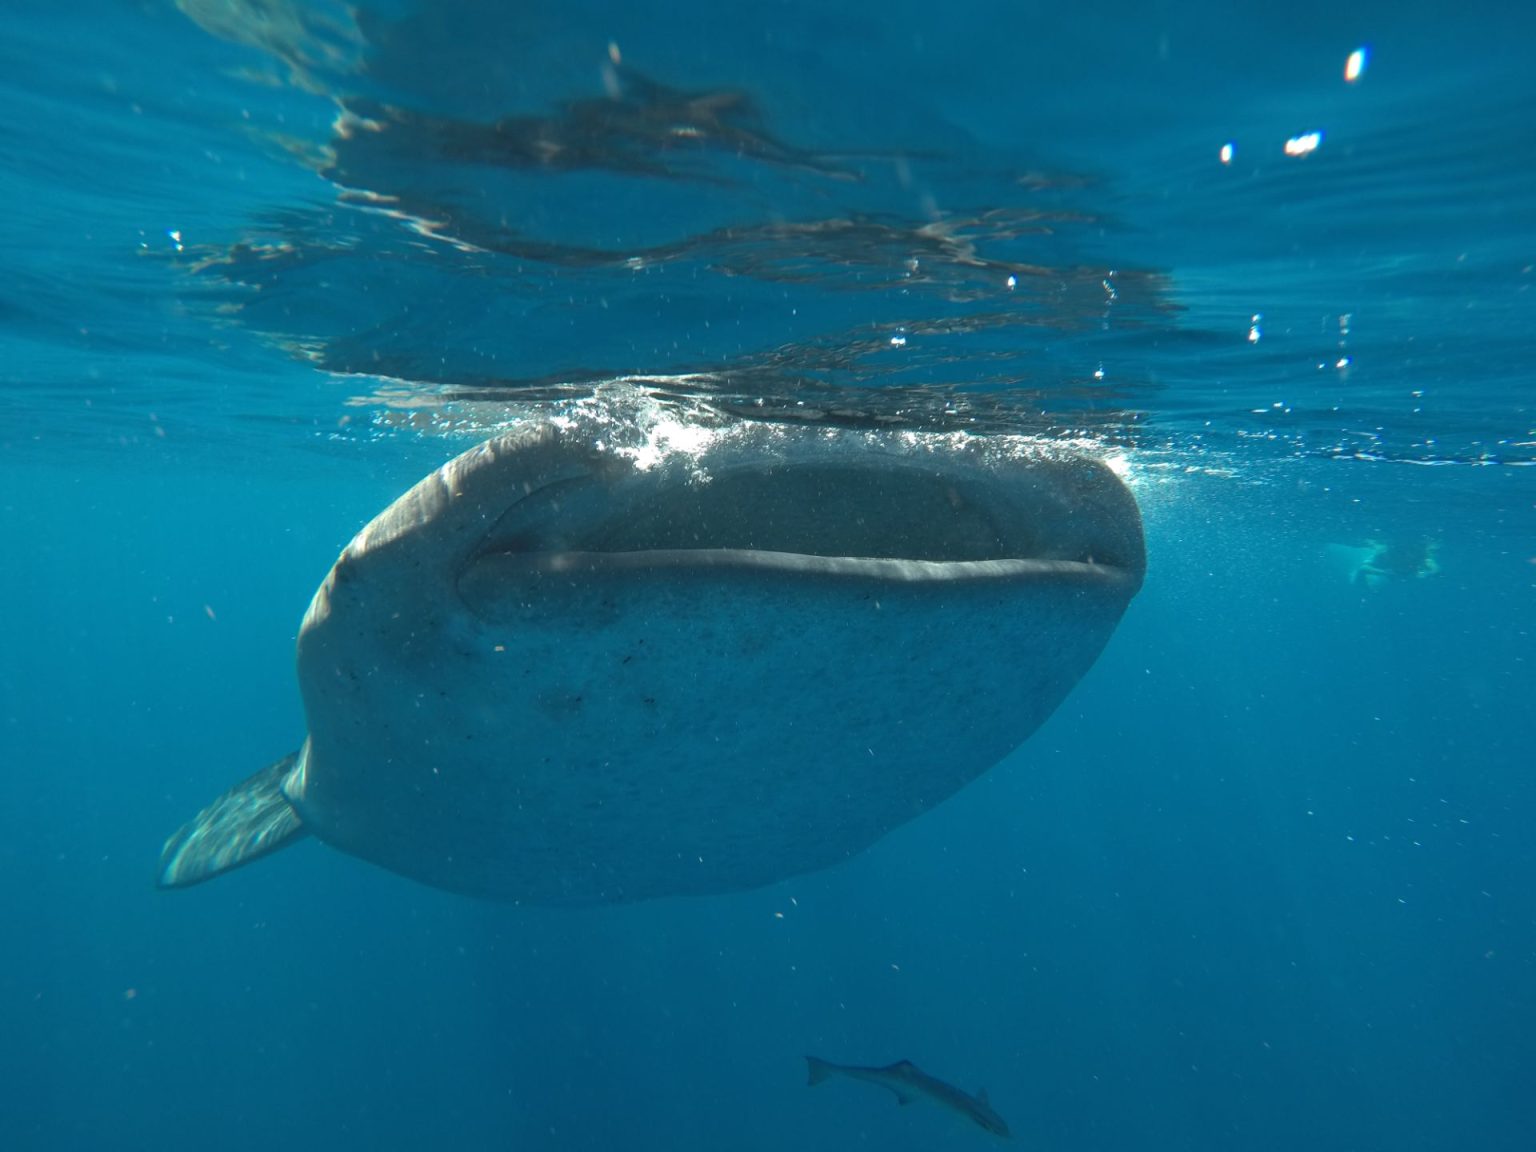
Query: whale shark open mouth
x=884 y=522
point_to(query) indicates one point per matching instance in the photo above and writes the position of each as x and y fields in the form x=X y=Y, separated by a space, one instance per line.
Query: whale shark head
x=577 y=667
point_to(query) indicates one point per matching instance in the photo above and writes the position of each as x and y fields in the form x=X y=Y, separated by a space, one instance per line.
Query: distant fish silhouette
x=1377 y=562
x=1410 y=558
x=910 y=1082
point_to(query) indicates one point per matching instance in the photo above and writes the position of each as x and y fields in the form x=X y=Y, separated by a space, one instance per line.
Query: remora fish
x=910 y=1082
x=598 y=660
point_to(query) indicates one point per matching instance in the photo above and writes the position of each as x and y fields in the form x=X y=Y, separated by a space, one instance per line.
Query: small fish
x=909 y=1082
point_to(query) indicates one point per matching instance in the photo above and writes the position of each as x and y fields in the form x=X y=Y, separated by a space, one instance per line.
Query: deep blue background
x=1264 y=881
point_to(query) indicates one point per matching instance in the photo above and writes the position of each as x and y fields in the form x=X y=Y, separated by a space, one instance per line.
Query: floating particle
x=1302 y=145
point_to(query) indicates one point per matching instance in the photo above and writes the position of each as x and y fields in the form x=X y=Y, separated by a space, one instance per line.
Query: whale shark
x=595 y=661
x=909 y=1083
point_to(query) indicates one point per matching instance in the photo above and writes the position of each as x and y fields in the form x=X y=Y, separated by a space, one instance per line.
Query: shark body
x=603 y=658
x=909 y=1083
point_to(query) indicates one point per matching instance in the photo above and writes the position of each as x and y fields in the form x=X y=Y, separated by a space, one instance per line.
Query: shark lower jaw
x=724 y=563
x=504 y=587
x=688 y=587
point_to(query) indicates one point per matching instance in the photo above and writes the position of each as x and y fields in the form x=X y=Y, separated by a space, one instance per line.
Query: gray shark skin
x=909 y=1083
x=594 y=661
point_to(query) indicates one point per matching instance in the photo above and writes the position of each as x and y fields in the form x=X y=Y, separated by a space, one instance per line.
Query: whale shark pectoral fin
x=249 y=821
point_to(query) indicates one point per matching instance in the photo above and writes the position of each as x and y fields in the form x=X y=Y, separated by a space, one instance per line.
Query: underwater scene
x=801 y=576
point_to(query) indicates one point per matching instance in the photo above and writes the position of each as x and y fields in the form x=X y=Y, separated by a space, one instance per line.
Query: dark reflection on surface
x=909 y=217
x=638 y=127
x=657 y=228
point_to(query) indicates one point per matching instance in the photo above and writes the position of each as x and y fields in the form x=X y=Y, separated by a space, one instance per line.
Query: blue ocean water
x=1263 y=881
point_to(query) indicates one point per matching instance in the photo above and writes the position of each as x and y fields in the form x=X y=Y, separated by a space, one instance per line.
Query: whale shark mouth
x=883 y=521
